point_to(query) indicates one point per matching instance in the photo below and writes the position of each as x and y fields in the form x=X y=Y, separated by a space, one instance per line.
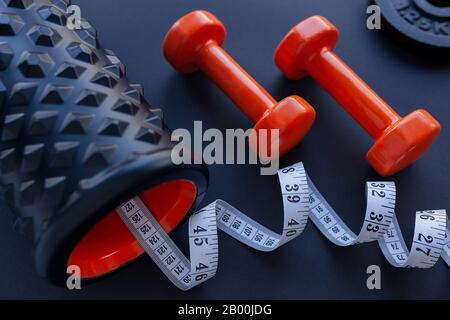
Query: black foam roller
x=77 y=138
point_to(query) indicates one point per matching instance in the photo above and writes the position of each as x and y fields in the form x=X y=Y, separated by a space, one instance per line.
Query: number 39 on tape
x=301 y=202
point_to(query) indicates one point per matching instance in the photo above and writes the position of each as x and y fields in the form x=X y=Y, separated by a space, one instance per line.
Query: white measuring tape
x=301 y=200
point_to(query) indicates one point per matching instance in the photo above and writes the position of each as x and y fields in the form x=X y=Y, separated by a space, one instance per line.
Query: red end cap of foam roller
x=110 y=245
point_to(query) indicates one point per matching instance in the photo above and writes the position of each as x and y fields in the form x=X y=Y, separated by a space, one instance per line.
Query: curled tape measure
x=301 y=200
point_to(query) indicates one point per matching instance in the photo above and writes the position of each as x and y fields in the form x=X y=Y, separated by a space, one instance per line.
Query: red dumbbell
x=307 y=49
x=194 y=42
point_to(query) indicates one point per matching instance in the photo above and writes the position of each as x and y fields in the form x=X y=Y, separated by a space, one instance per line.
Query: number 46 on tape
x=301 y=201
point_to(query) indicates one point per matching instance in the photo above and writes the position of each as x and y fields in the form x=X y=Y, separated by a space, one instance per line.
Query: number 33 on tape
x=301 y=201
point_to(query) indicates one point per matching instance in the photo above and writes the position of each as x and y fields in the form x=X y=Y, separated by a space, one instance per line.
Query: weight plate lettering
x=423 y=21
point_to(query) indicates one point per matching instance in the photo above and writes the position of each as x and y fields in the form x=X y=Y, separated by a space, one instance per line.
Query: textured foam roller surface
x=77 y=138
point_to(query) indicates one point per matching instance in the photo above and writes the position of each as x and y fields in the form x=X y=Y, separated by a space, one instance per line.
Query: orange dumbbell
x=307 y=49
x=194 y=42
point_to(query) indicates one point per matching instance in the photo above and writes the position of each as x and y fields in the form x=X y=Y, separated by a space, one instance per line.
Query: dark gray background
x=309 y=267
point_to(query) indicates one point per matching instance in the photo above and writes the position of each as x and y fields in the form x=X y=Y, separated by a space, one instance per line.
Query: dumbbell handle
x=222 y=69
x=350 y=91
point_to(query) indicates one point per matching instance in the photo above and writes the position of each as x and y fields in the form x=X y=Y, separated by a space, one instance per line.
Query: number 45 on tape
x=301 y=201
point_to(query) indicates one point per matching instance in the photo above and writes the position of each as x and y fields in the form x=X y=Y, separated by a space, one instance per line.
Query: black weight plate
x=423 y=21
